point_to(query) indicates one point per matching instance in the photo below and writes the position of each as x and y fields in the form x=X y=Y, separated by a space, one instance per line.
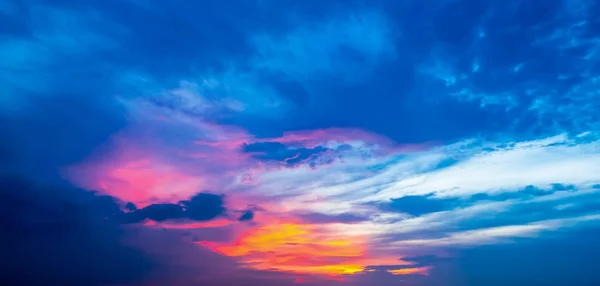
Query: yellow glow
x=409 y=271
x=303 y=249
x=296 y=248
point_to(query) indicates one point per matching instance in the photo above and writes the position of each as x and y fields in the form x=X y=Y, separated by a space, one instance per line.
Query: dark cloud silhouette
x=278 y=152
x=203 y=206
x=130 y=206
x=200 y=207
x=62 y=236
x=246 y=216
x=156 y=212
x=418 y=205
x=60 y=131
x=526 y=209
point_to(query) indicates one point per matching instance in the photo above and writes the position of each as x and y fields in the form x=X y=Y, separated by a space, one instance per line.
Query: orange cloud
x=300 y=248
x=409 y=271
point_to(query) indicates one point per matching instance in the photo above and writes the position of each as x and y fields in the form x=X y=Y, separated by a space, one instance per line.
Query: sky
x=282 y=142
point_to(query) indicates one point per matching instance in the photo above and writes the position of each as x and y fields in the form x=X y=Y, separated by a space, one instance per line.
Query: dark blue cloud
x=246 y=216
x=130 y=207
x=204 y=206
x=528 y=206
x=57 y=104
x=278 y=152
x=527 y=209
x=445 y=39
x=463 y=57
x=584 y=204
x=419 y=205
x=58 y=131
x=200 y=207
x=156 y=212
x=62 y=235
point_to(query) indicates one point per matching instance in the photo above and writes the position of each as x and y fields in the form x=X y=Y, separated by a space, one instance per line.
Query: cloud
x=80 y=227
x=499 y=234
x=200 y=207
x=289 y=244
x=410 y=271
x=154 y=116
x=246 y=216
x=203 y=206
x=419 y=174
x=165 y=158
x=54 y=84
x=534 y=80
x=286 y=155
x=469 y=193
x=321 y=218
x=424 y=260
x=418 y=205
x=336 y=48
x=542 y=163
x=135 y=177
x=223 y=95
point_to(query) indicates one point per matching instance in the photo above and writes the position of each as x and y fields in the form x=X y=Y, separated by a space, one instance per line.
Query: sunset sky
x=289 y=142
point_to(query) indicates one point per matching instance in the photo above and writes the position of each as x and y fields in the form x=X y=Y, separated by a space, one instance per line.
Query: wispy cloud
x=552 y=83
x=208 y=95
x=467 y=183
x=484 y=168
x=499 y=234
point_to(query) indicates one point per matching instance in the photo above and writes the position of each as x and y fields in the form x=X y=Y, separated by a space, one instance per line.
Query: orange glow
x=134 y=171
x=409 y=271
x=298 y=248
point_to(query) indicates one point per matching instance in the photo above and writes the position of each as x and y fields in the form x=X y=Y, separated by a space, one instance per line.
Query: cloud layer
x=280 y=142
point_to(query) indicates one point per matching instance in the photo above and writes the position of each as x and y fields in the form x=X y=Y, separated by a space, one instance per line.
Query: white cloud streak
x=482 y=168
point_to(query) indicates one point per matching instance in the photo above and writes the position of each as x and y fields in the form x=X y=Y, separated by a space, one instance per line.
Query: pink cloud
x=314 y=138
x=137 y=167
x=139 y=179
x=142 y=169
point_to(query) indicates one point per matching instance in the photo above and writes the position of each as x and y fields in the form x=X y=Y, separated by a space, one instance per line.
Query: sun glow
x=296 y=248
